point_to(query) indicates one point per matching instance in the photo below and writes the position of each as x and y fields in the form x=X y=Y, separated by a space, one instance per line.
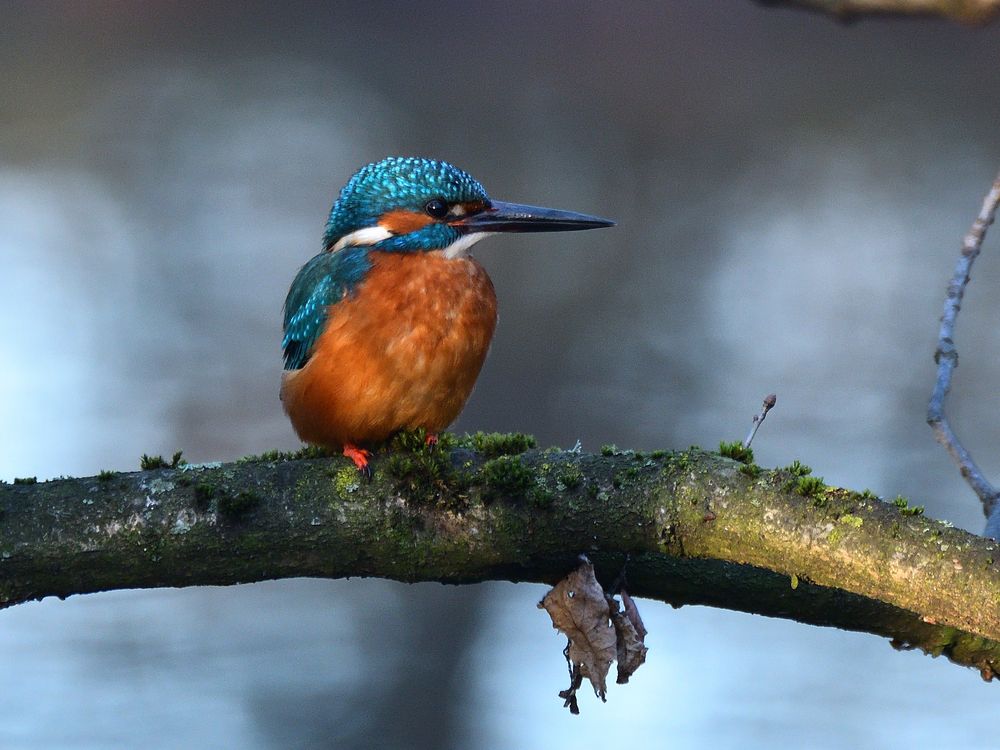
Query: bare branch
x=946 y=357
x=694 y=527
x=966 y=11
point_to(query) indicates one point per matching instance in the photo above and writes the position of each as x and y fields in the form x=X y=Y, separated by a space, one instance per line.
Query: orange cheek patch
x=402 y=221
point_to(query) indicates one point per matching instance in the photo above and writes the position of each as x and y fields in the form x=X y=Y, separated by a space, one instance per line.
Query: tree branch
x=946 y=357
x=966 y=11
x=694 y=528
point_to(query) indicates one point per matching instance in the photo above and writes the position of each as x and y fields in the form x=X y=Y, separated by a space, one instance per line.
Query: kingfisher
x=388 y=327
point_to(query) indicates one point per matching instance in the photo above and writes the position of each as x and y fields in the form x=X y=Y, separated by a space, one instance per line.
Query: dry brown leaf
x=632 y=613
x=598 y=629
x=630 y=636
x=579 y=609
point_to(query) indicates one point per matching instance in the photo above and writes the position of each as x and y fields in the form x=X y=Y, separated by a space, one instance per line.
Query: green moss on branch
x=695 y=527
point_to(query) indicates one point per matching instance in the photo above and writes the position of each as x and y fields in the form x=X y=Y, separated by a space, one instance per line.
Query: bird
x=387 y=328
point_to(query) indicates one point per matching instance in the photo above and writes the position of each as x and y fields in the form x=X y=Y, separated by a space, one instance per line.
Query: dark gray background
x=791 y=196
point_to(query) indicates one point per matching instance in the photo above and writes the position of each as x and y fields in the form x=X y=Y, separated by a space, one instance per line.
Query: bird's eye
x=436 y=208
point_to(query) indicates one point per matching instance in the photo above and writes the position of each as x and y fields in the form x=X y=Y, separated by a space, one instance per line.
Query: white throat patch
x=460 y=247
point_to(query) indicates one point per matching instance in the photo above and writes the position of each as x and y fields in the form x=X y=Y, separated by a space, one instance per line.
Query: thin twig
x=967 y=11
x=946 y=357
x=769 y=401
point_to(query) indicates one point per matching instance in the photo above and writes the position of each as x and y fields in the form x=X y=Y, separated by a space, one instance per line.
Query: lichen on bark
x=692 y=527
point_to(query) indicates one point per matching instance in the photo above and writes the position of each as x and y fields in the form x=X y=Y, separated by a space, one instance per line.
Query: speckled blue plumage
x=400 y=182
x=391 y=184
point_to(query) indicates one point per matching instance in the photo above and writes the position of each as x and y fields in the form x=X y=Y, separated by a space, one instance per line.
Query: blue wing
x=322 y=282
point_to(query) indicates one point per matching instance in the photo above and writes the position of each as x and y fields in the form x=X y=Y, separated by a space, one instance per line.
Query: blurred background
x=791 y=195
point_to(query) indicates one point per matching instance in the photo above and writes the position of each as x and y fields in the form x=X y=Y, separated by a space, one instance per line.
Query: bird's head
x=411 y=205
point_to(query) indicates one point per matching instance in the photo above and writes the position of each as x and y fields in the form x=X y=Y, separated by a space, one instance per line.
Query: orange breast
x=402 y=351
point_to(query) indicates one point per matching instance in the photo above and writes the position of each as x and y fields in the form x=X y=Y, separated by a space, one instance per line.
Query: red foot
x=431 y=441
x=360 y=458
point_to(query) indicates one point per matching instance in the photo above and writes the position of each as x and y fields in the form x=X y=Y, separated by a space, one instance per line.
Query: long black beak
x=514 y=217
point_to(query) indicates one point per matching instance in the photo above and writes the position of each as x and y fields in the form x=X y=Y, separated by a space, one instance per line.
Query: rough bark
x=694 y=528
x=966 y=11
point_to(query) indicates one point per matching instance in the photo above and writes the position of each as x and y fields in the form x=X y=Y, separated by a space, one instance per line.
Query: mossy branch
x=689 y=528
